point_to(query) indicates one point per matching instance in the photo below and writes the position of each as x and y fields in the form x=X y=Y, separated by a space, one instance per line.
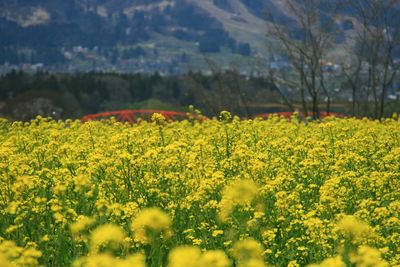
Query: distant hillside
x=139 y=35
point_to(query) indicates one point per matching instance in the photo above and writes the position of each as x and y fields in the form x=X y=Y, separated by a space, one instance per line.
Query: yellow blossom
x=353 y=227
x=237 y=193
x=330 y=262
x=247 y=249
x=104 y=234
x=368 y=257
x=150 y=223
x=184 y=257
x=215 y=258
x=81 y=224
x=217 y=233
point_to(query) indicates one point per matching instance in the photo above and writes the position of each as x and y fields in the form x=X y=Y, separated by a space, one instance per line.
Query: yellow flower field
x=220 y=193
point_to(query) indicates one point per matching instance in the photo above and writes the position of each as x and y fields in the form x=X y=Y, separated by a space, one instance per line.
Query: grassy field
x=220 y=193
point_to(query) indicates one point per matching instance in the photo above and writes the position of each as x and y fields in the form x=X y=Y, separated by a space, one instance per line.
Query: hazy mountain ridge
x=188 y=15
x=29 y=28
x=118 y=32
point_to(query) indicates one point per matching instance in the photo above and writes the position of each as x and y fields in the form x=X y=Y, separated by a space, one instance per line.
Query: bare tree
x=305 y=43
x=377 y=38
x=221 y=90
x=231 y=87
x=351 y=69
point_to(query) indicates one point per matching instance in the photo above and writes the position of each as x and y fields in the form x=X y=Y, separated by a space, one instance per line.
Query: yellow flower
x=104 y=234
x=137 y=260
x=353 y=228
x=285 y=183
x=12 y=255
x=45 y=238
x=32 y=253
x=217 y=233
x=214 y=258
x=151 y=223
x=252 y=263
x=95 y=260
x=12 y=228
x=59 y=218
x=368 y=257
x=293 y=264
x=331 y=262
x=108 y=260
x=184 y=257
x=225 y=116
x=158 y=118
x=237 y=193
x=268 y=237
x=81 y=224
x=197 y=241
x=247 y=249
x=4 y=262
x=81 y=182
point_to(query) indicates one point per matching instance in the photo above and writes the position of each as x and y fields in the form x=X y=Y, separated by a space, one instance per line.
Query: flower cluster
x=220 y=192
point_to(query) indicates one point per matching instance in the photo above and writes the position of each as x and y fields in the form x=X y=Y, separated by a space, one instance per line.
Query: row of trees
x=23 y=96
x=366 y=60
